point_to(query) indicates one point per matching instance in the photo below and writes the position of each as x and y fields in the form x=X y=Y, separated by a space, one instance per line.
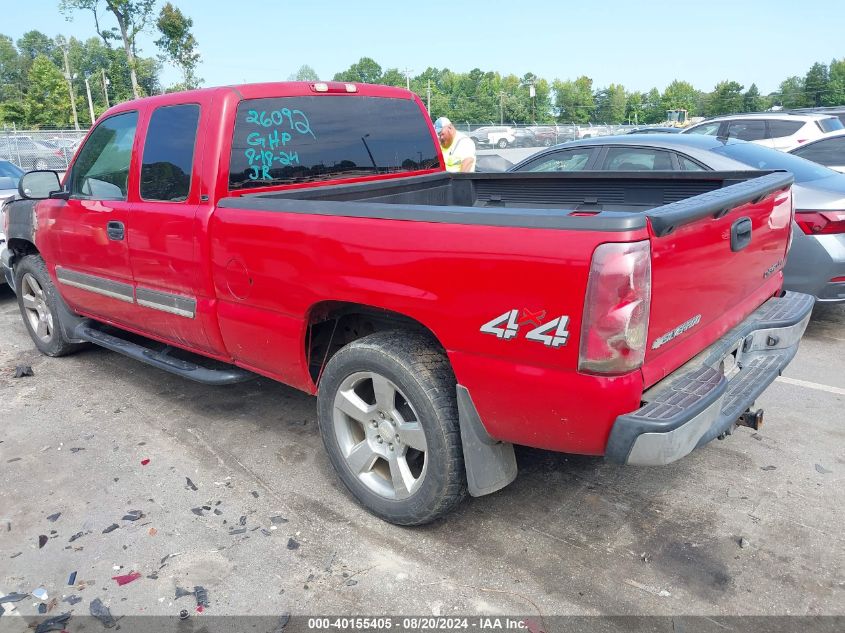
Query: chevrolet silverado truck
x=307 y=232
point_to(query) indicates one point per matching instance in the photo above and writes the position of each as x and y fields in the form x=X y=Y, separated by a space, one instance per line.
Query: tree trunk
x=127 y=46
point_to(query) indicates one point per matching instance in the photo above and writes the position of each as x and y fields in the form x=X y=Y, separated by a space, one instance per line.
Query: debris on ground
x=237 y=531
x=76 y=536
x=152 y=531
x=202 y=596
x=145 y=461
x=127 y=578
x=282 y=623
x=52 y=518
x=184 y=614
x=71 y=580
x=293 y=543
x=76 y=449
x=72 y=600
x=822 y=470
x=181 y=593
x=23 y=370
x=217 y=512
x=278 y=520
x=133 y=515
x=255 y=494
x=42 y=540
x=644 y=557
x=14 y=597
x=102 y=613
x=327 y=564
x=42 y=608
x=768 y=468
x=190 y=485
x=40 y=593
x=351 y=582
x=744 y=542
x=111 y=528
x=242 y=520
x=266 y=532
x=16 y=554
x=56 y=623
x=197 y=511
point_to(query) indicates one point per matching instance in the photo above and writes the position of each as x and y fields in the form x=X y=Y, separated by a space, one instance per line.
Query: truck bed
x=583 y=200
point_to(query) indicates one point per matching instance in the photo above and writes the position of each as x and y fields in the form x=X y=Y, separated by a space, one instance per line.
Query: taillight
x=820 y=222
x=616 y=309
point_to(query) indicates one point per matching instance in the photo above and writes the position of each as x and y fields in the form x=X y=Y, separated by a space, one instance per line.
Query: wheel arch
x=331 y=325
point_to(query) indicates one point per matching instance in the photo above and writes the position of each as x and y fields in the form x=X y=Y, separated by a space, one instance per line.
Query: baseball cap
x=440 y=123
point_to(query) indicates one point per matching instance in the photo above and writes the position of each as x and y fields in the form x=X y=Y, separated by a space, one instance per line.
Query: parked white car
x=779 y=130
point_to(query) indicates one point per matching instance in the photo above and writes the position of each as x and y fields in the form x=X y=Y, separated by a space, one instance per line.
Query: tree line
x=46 y=82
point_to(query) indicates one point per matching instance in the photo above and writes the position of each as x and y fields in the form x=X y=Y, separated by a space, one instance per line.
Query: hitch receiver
x=751 y=419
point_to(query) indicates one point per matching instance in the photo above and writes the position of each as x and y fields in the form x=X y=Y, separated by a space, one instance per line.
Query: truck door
x=163 y=235
x=89 y=229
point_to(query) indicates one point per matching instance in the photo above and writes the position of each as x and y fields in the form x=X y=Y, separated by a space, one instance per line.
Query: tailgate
x=716 y=257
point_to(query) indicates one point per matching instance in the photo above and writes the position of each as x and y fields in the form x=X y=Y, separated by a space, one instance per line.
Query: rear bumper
x=698 y=402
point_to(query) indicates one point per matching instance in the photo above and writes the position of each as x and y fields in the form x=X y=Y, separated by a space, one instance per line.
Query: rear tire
x=502 y=144
x=389 y=421
x=38 y=303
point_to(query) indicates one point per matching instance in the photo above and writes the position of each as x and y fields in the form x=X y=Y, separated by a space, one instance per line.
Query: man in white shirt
x=458 y=149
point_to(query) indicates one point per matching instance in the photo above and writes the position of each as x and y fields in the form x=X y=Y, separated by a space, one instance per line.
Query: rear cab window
x=290 y=140
x=779 y=129
x=169 y=153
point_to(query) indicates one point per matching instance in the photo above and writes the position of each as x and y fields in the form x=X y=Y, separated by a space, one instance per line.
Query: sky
x=640 y=45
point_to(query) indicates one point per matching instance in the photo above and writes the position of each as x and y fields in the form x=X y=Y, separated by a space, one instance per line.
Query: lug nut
x=381 y=414
x=380 y=441
x=391 y=447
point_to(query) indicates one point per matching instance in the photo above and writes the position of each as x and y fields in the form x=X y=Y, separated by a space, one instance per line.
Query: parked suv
x=493 y=136
x=780 y=130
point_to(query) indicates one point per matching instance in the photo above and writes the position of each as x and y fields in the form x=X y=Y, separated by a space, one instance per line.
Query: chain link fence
x=39 y=149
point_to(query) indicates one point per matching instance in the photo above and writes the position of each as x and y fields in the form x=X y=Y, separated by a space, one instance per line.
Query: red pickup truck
x=308 y=232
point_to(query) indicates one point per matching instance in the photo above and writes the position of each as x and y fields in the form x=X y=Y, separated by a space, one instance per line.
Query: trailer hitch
x=751 y=419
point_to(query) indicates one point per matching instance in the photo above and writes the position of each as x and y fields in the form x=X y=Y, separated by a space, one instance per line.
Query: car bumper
x=6 y=259
x=813 y=263
x=704 y=399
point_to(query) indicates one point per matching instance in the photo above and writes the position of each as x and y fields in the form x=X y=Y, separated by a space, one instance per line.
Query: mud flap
x=490 y=464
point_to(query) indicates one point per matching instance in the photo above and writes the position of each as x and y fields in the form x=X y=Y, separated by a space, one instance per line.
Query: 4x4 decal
x=551 y=334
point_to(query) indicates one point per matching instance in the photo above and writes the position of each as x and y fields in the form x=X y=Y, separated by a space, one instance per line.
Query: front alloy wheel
x=35 y=308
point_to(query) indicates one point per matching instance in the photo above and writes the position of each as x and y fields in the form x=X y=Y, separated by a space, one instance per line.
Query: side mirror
x=38 y=185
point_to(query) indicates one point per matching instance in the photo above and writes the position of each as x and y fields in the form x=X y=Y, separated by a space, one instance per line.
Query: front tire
x=38 y=303
x=502 y=144
x=389 y=421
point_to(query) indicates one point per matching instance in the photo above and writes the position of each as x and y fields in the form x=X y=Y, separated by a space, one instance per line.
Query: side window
x=169 y=153
x=688 y=165
x=784 y=128
x=636 y=159
x=747 y=130
x=570 y=160
x=101 y=171
x=827 y=152
x=708 y=129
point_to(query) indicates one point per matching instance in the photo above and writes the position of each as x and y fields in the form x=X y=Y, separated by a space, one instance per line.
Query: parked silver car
x=828 y=151
x=816 y=262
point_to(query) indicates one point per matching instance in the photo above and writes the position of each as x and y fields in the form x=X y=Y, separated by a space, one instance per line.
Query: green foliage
x=611 y=104
x=654 y=112
x=305 y=73
x=791 y=94
x=726 y=98
x=816 y=84
x=48 y=100
x=574 y=101
x=752 y=101
x=679 y=95
x=365 y=71
x=836 y=85
x=635 y=108
x=178 y=43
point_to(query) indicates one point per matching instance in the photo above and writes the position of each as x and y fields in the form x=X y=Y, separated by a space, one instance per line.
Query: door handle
x=740 y=234
x=116 y=231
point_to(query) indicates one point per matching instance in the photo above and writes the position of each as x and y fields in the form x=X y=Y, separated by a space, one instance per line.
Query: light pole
x=407 y=72
x=90 y=102
x=106 y=83
x=70 y=79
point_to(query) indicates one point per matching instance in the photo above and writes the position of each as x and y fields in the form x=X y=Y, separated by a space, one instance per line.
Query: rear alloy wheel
x=40 y=164
x=389 y=422
x=502 y=144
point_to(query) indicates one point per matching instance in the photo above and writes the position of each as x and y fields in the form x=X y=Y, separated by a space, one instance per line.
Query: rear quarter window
x=830 y=125
x=288 y=140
